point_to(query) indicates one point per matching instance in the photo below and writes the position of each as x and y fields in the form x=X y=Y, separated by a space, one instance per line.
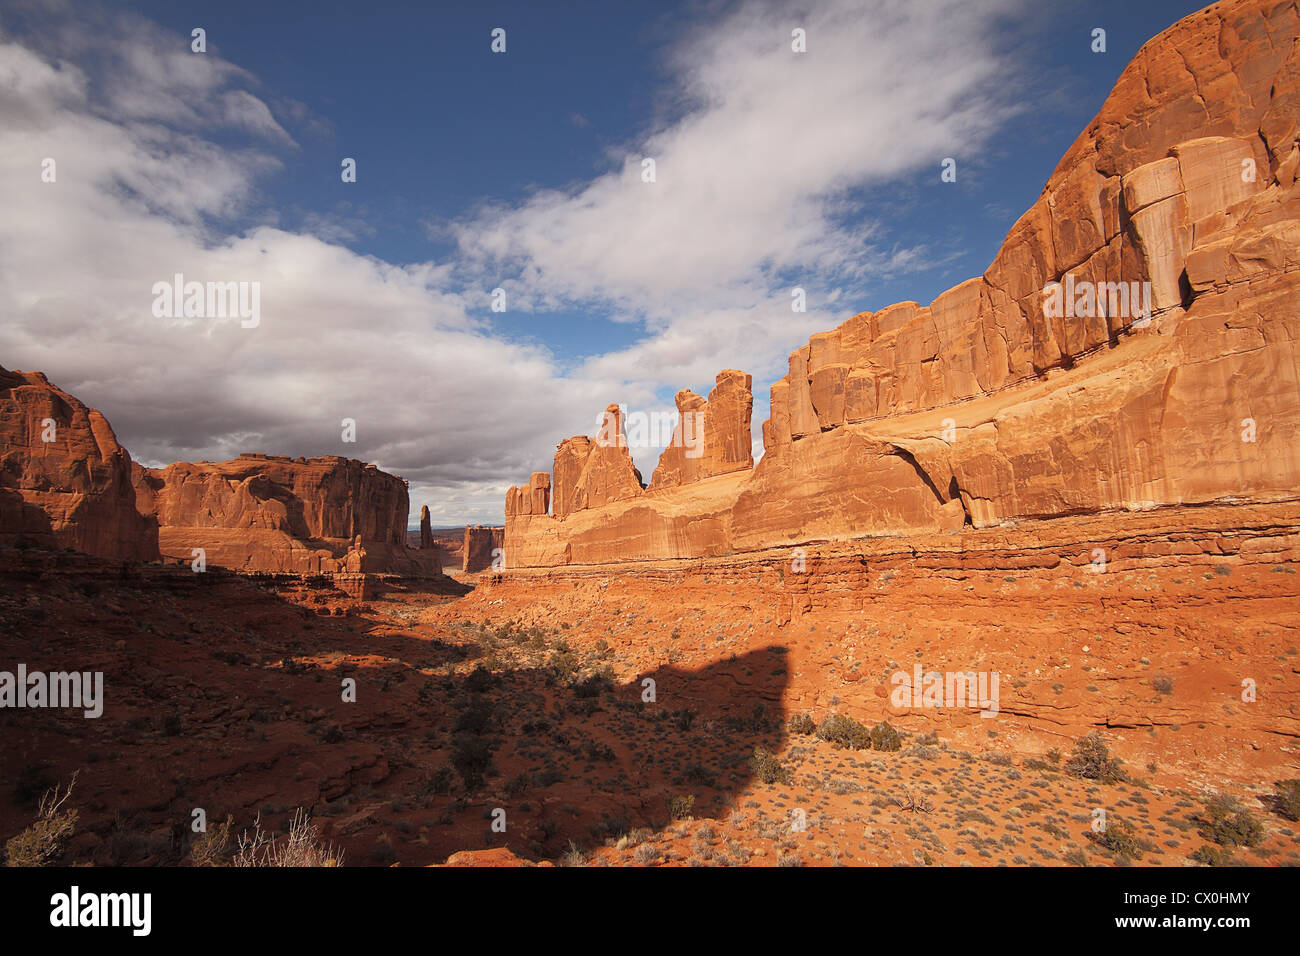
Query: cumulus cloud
x=760 y=155
x=761 y=162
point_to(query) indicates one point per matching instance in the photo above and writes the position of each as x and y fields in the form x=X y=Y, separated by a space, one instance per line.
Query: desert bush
x=610 y=829
x=562 y=666
x=885 y=737
x=1228 y=823
x=757 y=721
x=438 y=782
x=1121 y=839
x=211 y=847
x=681 y=806
x=1287 y=799
x=1212 y=856
x=767 y=768
x=1091 y=759
x=593 y=685
x=915 y=802
x=646 y=854
x=594 y=750
x=698 y=775
x=573 y=856
x=475 y=718
x=471 y=756
x=45 y=841
x=383 y=853
x=802 y=724
x=301 y=847
x=844 y=732
x=330 y=734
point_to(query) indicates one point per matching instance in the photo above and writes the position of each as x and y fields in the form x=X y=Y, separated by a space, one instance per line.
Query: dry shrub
x=45 y=841
x=302 y=847
x=210 y=849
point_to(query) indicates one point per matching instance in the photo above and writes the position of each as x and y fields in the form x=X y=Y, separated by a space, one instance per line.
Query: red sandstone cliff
x=66 y=482
x=73 y=490
x=712 y=437
x=1162 y=370
x=272 y=513
x=480 y=545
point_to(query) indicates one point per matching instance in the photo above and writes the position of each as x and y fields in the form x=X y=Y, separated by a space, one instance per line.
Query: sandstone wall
x=712 y=437
x=74 y=491
x=1051 y=385
x=480 y=543
x=272 y=513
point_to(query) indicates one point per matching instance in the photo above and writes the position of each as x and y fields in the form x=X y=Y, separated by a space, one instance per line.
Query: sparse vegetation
x=471 y=756
x=1286 y=801
x=646 y=854
x=1226 y=822
x=681 y=806
x=844 y=732
x=885 y=737
x=46 y=840
x=1121 y=839
x=1212 y=856
x=573 y=856
x=802 y=724
x=767 y=768
x=1091 y=759
x=212 y=847
x=301 y=847
x=916 y=803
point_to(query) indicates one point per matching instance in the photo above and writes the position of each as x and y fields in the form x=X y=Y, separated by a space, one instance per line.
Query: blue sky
x=518 y=169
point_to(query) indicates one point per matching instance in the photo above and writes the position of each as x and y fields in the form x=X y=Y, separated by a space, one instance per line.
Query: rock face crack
x=921 y=473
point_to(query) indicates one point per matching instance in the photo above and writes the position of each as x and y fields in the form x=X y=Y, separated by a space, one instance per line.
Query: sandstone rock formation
x=591 y=472
x=711 y=438
x=65 y=481
x=482 y=545
x=426 y=529
x=1132 y=344
x=272 y=513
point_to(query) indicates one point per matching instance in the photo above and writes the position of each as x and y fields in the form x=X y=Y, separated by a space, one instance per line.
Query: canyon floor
x=524 y=703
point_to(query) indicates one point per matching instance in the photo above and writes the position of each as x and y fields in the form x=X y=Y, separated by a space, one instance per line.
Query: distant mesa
x=272 y=513
x=65 y=482
x=482 y=547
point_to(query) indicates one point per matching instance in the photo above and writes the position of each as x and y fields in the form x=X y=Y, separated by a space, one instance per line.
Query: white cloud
x=757 y=171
